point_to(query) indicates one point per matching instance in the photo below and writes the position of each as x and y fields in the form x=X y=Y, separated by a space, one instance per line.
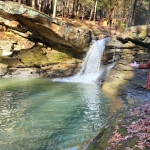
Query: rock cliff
x=44 y=45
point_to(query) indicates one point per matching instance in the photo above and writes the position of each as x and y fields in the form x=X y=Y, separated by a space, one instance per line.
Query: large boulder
x=43 y=28
x=10 y=42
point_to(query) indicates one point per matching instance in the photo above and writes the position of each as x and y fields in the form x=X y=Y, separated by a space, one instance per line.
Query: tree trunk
x=133 y=13
x=54 y=8
x=67 y=6
x=91 y=12
x=49 y=7
x=110 y=15
x=112 y=9
x=124 y=6
x=82 y=14
x=40 y=8
x=95 y=8
x=77 y=8
x=33 y=3
x=130 y=15
x=63 y=8
x=73 y=9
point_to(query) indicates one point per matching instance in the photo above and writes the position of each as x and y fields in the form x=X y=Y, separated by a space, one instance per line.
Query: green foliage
x=104 y=4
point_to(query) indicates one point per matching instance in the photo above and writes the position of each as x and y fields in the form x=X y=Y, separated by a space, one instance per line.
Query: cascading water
x=90 y=69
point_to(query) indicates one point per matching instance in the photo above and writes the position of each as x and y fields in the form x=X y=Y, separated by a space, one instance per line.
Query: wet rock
x=62 y=70
x=3 y=69
x=24 y=72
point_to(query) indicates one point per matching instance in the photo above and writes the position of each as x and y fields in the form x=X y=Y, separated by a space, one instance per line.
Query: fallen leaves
x=138 y=125
x=115 y=139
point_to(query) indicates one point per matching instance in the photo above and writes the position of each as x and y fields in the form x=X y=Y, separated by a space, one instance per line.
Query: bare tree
x=73 y=9
x=63 y=8
x=95 y=9
x=40 y=6
x=133 y=12
x=33 y=4
x=54 y=8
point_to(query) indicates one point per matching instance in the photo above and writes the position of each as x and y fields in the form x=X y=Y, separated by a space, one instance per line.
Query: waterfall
x=90 y=69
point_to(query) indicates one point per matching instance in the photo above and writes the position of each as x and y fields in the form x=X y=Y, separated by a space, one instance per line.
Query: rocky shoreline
x=128 y=129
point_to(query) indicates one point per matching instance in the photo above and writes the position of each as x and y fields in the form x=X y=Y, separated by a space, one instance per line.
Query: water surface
x=38 y=114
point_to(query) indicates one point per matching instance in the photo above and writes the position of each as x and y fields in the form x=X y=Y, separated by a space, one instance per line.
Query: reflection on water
x=44 y=115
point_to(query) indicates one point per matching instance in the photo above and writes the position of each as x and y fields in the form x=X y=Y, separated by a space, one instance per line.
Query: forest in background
x=129 y=12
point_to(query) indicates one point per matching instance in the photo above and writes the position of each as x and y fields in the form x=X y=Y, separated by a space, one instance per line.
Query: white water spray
x=90 y=69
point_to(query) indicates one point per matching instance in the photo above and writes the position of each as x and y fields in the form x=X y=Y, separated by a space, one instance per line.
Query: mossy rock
x=34 y=57
x=143 y=32
x=55 y=56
